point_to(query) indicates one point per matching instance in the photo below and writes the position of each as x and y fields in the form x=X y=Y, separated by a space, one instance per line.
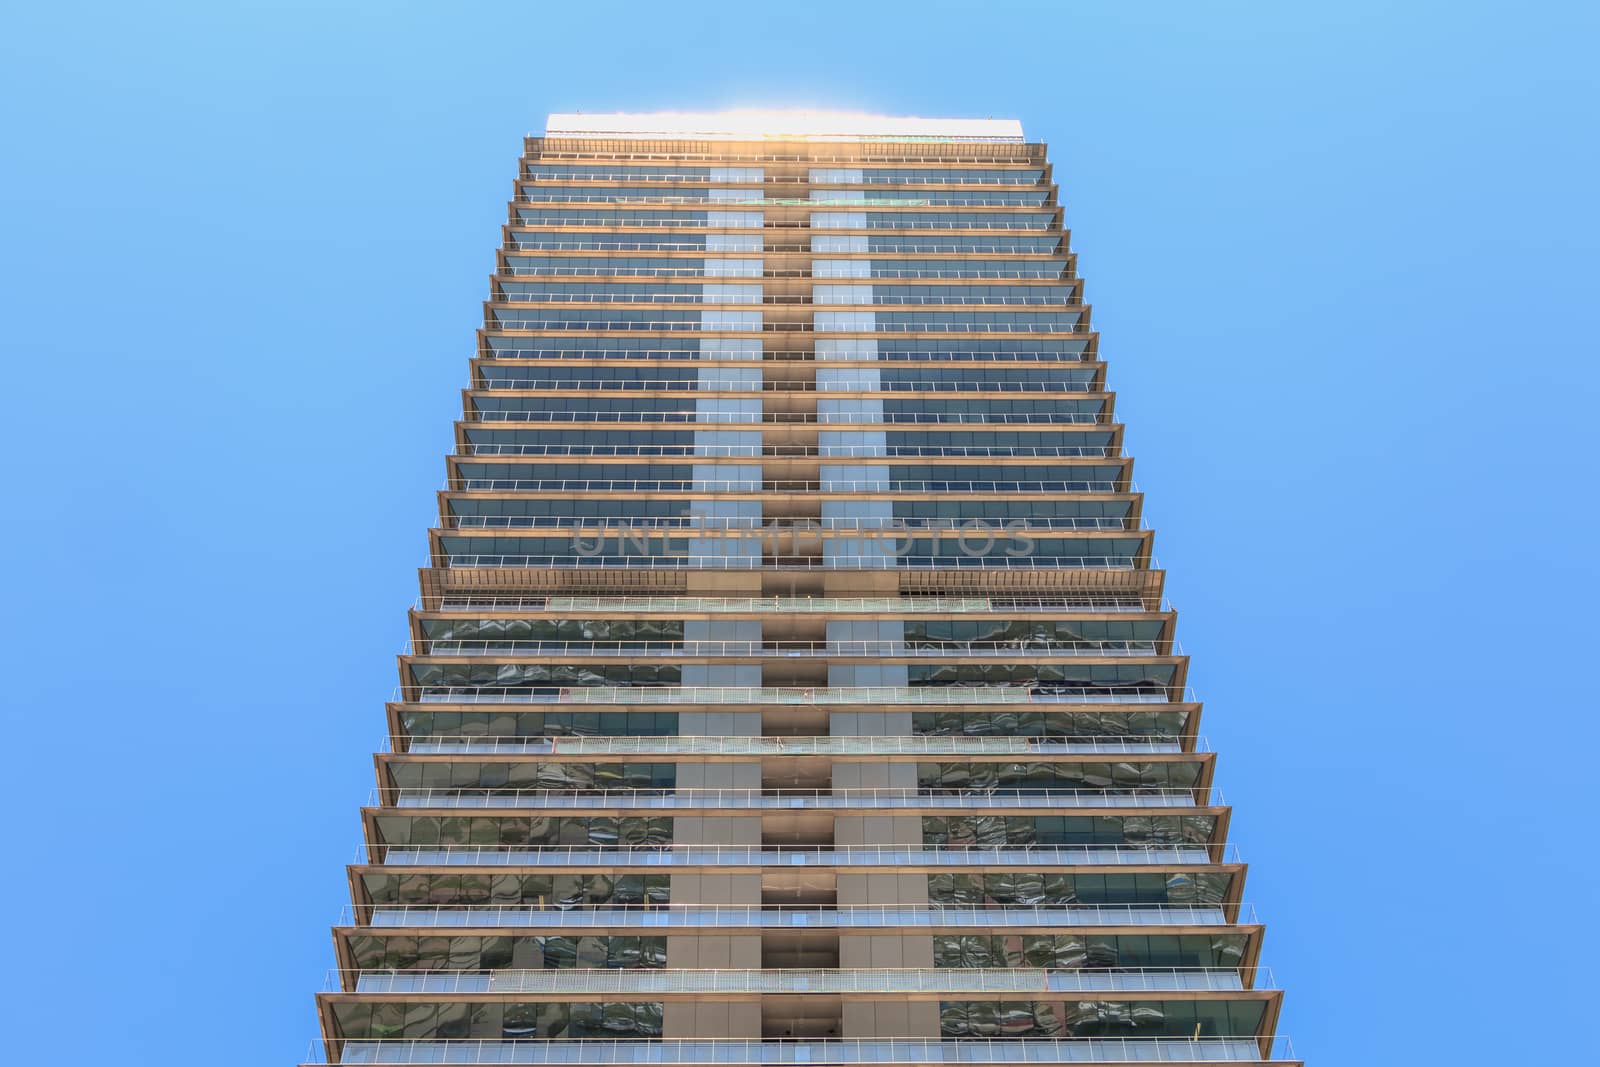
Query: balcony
x=780 y=696
x=568 y=605
x=735 y=385
x=792 y=799
x=891 y=649
x=756 y=856
x=1025 y=982
x=930 y=745
x=741 y=917
x=883 y=1052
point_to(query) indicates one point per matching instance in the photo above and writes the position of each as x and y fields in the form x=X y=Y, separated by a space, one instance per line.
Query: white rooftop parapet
x=755 y=124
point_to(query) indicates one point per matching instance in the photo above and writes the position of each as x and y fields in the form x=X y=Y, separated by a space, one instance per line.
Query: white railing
x=680 y=220
x=607 y=271
x=686 y=356
x=515 y=242
x=911 y=980
x=591 y=525
x=800 y=1052
x=520 y=241
x=844 y=917
x=1029 y=199
x=868 y=179
x=999 y=798
x=918 y=745
x=1052 y=605
x=832 y=418
x=758 y=485
x=695 y=298
x=450 y=560
x=781 y=451
x=903 y=647
x=887 y=856
x=495 y=325
x=738 y=385
x=777 y=696
x=669 y=220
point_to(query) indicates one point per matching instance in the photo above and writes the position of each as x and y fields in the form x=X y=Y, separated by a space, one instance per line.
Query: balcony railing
x=801 y=855
x=837 y=418
x=789 y=485
x=714 y=560
x=756 y=199
x=745 y=385
x=779 y=696
x=799 y=649
x=878 y=272
x=766 y=917
x=692 y=298
x=883 y=361
x=896 y=605
x=962 y=981
x=683 y=220
x=868 y=179
x=1001 y=798
x=601 y=241
x=923 y=745
x=580 y=524
x=798 y=1052
x=498 y=326
x=760 y=451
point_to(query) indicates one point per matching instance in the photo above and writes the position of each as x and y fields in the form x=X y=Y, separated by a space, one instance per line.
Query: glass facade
x=791 y=680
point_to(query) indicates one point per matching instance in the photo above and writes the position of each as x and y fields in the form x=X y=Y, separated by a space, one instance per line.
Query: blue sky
x=1339 y=254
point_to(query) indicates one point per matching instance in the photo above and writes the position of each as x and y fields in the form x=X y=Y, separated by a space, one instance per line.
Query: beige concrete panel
x=852 y=888
x=719 y=723
x=740 y=1019
x=716 y=888
x=719 y=775
x=890 y=1019
x=717 y=829
x=877 y=830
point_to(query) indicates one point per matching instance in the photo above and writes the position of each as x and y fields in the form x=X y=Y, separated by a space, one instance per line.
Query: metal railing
x=674 y=981
x=516 y=242
x=495 y=325
x=684 y=220
x=737 y=385
x=778 y=696
x=884 y=360
x=699 y=299
x=762 y=451
x=917 y=745
x=868 y=179
x=669 y=220
x=760 y=856
x=571 y=561
x=690 y=417
x=800 y=1052
x=999 y=797
x=689 y=647
x=780 y=917
x=607 y=271
x=772 y=560
x=1053 y=605
x=758 y=484
x=1038 y=199
x=581 y=524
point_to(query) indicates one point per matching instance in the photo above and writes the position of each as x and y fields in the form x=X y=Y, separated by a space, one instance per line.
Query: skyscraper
x=791 y=680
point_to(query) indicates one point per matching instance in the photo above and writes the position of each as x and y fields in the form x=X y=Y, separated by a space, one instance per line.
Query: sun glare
x=778 y=123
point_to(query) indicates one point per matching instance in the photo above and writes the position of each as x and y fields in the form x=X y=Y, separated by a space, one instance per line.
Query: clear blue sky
x=1339 y=254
